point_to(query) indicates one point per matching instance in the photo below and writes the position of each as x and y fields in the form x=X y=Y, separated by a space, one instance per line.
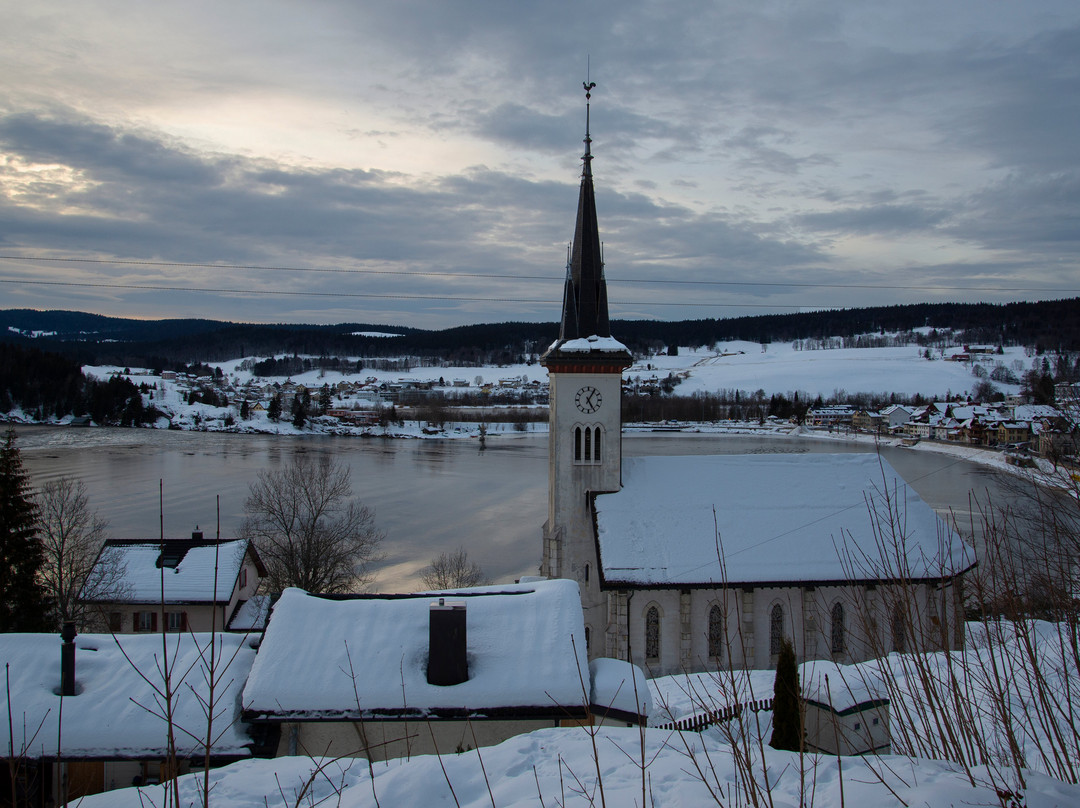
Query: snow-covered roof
x=841 y=687
x=203 y=570
x=619 y=687
x=115 y=712
x=251 y=614
x=773 y=518
x=526 y=655
x=589 y=344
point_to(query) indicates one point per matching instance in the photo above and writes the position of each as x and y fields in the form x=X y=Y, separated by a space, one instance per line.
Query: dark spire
x=585 y=311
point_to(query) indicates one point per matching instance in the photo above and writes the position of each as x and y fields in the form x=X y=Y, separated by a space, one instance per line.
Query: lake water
x=429 y=496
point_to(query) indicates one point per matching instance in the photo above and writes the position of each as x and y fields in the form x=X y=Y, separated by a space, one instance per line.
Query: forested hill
x=94 y=339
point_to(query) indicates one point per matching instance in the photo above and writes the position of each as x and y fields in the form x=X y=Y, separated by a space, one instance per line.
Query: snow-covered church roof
x=324 y=658
x=772 y=519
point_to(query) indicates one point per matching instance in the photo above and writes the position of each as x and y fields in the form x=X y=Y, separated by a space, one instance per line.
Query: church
x=710 y=562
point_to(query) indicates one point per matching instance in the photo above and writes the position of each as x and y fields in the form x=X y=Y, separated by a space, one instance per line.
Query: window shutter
x=153 y=621
x=183 y=621
x=134 y=621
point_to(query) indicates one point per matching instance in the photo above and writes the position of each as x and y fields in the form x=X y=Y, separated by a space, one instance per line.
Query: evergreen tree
x=787 y=710
x=23 y=599
x=299 y=412
x=273 y=412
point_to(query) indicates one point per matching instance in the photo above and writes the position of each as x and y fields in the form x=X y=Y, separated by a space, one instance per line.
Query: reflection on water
x=429 y=496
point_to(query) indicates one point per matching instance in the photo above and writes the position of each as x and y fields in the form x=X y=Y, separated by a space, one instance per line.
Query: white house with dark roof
x=793 y=552
x=384 y=676
x=201 y=584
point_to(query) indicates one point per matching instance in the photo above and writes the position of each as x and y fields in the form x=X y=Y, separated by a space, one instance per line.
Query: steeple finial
x=586 y=169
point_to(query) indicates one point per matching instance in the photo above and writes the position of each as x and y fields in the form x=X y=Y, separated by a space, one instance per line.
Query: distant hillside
x=94 y=339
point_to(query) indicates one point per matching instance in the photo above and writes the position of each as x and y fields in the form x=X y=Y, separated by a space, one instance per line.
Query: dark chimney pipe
x=447 y=644
x=67 y=659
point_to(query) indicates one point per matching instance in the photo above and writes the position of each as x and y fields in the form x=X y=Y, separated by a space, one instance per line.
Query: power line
x=454 y=298
x=504 y=276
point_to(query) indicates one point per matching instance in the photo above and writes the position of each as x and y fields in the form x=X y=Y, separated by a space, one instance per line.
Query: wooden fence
x=701 y=721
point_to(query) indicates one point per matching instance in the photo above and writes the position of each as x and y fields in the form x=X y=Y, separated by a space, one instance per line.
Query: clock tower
x=585 y=372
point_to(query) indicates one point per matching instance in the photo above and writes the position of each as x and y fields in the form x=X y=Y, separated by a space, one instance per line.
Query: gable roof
x=195 y=571
x=780 y=519
x=526 y=656
x=111 y=716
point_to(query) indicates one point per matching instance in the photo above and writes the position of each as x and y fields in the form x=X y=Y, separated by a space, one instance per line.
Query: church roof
x=773 y=519
x=585 y=304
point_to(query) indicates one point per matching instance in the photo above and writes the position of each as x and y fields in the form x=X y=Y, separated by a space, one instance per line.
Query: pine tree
x=787 y=711
x=23 y=599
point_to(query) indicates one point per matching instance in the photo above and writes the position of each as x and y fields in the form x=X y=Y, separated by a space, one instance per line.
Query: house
x=688 y=563
x=867 y=421
x=384 y=676
x=896 y=415
x=198 y=583
x=110 y=731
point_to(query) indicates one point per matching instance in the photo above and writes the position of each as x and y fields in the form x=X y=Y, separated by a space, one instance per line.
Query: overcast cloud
x=783 y=156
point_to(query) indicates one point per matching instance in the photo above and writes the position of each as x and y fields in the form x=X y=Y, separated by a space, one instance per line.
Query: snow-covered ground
x=556 y=767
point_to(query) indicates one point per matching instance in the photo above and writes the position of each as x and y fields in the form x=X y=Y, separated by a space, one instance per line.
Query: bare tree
x=73 y=537
x=309 y=530
x=452 y=571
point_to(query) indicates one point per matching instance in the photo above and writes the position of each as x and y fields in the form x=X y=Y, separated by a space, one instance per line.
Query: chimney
x=447 y=644
x=67 y=659
x=196 y=535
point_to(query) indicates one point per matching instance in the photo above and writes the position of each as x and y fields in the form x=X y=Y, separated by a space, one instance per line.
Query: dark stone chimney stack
x=67 y=659
x=447 y=644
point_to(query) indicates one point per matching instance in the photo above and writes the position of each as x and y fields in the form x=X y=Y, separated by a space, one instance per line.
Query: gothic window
x=776 y=629
x=588 y=445
x=652 y=633
x=588 y=640
x=839 y=633
x=899 y=628
x=577 y=444
x=596 y=445
x=586 y=573
x=716 y=632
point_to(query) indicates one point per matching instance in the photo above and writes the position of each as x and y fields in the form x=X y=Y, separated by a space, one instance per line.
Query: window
x=586 y=573
x=176 y=621
x=588 y=640
x=144 y=621
x=116 y=622
x=587 y=441
x=652 y=633
x=776 y=629
x=716 y=632
x=839 y=635
x=243 y=576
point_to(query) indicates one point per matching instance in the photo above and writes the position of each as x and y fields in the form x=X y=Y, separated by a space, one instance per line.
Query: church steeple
x=585 y=309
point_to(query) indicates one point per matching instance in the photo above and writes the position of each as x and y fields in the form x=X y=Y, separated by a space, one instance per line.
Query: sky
x=416 y=163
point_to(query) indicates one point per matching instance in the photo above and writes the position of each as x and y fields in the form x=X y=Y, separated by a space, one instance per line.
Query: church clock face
x=588 y=400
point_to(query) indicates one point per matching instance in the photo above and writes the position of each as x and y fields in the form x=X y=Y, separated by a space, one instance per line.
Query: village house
x=199 y=583
x=688 y=563
x=107 y=729
x=382 y=676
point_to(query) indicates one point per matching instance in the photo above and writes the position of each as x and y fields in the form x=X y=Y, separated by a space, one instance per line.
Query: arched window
x=716 y=632
x=588 y=445
x=577 y=444
x=899 y=628
x=588 y=640
x=652 y=633
x=586 y=573
x=776 y=629
x=596 y=445
x=839 y=633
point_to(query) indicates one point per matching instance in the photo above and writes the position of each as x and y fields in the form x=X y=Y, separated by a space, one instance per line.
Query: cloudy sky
x=417 y=162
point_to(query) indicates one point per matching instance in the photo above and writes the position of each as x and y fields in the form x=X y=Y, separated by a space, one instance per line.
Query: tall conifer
x=787 y=713
x=23 y=599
